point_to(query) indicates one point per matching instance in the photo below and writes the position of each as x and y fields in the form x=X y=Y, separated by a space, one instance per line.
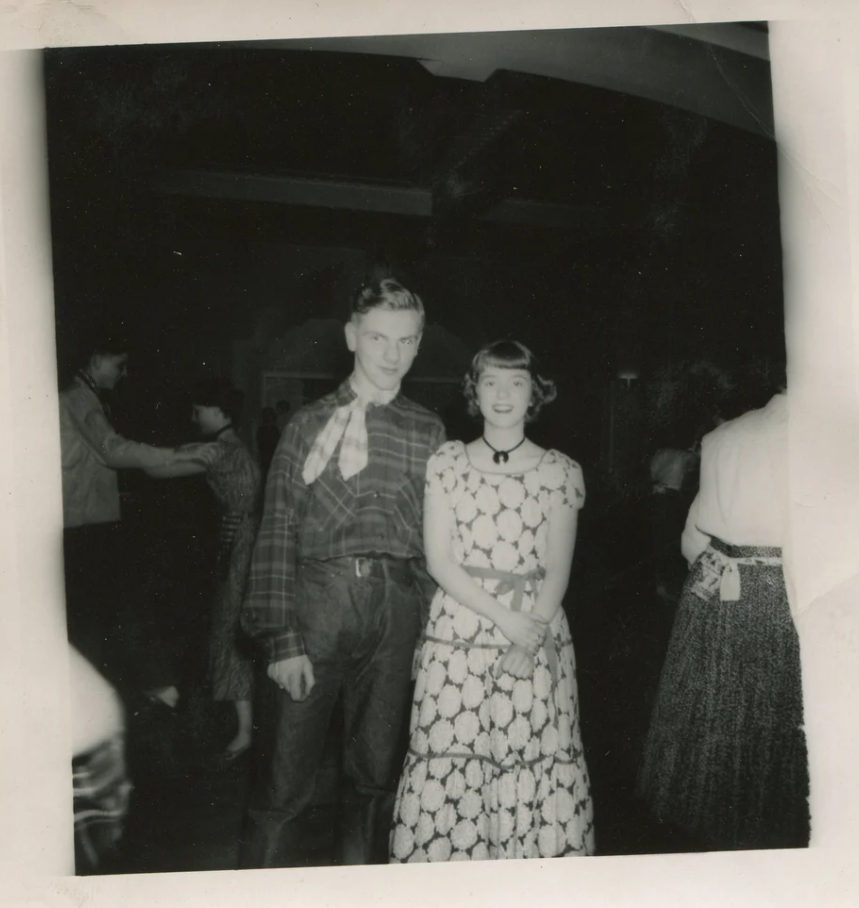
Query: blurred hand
x=294 y=675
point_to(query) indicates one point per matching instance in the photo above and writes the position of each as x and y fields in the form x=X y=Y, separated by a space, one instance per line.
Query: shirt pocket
x=330 y=509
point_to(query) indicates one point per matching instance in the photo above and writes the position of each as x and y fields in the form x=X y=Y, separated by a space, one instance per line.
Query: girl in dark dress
x=234 y=477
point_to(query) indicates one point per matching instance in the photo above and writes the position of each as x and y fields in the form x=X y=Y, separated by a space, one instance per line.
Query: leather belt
x=364 y=567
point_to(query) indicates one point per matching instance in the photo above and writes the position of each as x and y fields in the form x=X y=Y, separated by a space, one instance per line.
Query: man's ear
x=351 y=331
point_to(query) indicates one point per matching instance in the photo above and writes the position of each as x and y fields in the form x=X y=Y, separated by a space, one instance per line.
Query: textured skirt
x=725 y=757
x=230 y=653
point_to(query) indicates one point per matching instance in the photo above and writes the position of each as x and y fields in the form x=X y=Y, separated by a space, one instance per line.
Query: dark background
x=654 y=231
x=608 y=198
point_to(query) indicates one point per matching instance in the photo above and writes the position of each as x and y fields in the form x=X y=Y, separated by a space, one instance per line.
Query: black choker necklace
x=502 y=456
x=223 y=429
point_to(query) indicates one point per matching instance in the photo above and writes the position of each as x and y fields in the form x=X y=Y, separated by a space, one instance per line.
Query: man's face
x=385 y=344
x=107 y=369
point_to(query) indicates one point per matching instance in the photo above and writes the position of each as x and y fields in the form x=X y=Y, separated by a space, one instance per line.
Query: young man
x=92 y=451
x=335 y=589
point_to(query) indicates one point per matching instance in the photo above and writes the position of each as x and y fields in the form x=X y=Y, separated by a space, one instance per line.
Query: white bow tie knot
x=348 y=428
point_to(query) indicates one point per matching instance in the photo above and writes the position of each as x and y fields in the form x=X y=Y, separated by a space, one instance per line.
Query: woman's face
x=208 y=419
x=504 y=395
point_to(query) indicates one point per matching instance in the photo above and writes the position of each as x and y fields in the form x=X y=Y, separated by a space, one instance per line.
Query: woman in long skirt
x=495 y=767
x=725 y=758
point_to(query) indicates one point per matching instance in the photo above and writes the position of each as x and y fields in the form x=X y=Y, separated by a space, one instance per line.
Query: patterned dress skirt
x=725 y=757
x=230 y=653
x=495 y=767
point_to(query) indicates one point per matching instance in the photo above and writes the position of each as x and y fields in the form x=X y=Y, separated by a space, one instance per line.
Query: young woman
x=234 y=476
x=495 y=767
x=725 y=758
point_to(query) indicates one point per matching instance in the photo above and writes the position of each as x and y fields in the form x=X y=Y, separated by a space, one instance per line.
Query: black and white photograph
x=432 y=413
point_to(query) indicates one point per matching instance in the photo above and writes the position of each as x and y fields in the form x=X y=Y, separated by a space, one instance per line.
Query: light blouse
x=743 y=492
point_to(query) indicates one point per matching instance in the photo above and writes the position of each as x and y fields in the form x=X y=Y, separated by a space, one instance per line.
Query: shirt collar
x=345 y=394
x=87 y=380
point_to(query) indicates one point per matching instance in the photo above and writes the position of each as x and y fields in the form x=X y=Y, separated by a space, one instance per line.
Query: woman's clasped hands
x=526 y=634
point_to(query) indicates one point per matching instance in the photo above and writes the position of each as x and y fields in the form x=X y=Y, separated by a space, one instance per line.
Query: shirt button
x=375 y=494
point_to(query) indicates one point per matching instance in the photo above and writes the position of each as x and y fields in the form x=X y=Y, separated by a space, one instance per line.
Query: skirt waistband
x=744 y=551
x=718 y=569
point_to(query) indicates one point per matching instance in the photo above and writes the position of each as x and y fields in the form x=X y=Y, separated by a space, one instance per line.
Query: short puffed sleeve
x=441 y=468
x=570 y=483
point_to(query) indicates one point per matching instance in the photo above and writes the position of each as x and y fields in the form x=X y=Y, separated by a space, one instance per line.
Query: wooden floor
x=185 y=816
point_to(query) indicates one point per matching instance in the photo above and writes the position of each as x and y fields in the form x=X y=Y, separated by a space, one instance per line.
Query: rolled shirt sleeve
x=268 y=612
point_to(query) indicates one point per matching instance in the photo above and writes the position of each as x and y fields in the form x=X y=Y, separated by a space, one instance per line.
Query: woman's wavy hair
x=215 y=393
x=509 y=354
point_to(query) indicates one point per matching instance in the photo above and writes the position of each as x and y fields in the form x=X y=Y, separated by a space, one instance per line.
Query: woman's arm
x=456 y=582
x=192 y=459
x=693 y=541
x=176 y=470
x=560 y=546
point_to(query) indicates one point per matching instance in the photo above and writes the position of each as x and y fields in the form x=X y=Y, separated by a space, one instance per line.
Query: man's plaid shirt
x=377 y=512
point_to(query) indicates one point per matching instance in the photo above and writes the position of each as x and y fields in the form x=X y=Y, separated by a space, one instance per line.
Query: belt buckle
x=362 y=566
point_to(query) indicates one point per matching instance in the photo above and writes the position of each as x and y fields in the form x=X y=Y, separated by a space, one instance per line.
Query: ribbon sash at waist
x=519 y=583
x=720 y=569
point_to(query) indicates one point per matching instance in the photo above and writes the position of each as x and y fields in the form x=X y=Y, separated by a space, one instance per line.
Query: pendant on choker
x=500 y=457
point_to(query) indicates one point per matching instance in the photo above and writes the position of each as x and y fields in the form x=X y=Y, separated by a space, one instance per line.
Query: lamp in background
x=627 y=376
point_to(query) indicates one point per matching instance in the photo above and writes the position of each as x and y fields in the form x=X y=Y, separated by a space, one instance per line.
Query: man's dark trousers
x=359 y=619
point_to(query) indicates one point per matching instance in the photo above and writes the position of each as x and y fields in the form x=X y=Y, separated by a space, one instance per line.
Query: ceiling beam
x=381 y=198
x=717 y=70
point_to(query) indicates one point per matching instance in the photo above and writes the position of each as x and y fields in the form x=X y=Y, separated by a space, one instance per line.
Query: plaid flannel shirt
x=378 y=511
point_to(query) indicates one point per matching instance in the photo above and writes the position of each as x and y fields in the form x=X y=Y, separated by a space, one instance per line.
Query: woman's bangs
x=514 y=360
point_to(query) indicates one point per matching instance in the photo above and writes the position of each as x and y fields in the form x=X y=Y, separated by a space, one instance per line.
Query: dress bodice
x=501 y=519
x=232 y=473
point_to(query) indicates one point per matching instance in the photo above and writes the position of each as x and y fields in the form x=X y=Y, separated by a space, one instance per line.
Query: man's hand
x=294 y=675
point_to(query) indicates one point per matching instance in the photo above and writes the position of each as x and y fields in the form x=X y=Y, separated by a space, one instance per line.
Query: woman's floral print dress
x=495 y=767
